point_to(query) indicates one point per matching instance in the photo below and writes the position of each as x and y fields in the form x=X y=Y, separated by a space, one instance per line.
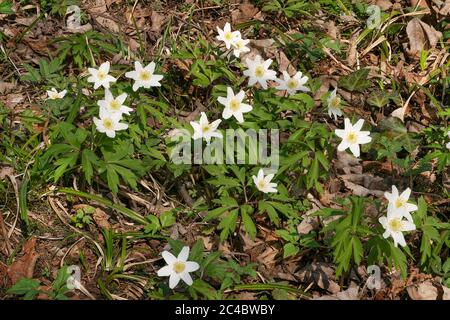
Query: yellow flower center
x=179 y=267
x=234 y=104
x=261 y=184
x=352 y=137
x=54 y=95
x=395 y=224
x=206 y=128
x=228 y=36
x=108 y=124
x=239 y=45
x=292 y=84
x=114 y=105
x=399 y=203
x=145 y=75
x=335 y=102
x=101 y=75
x=259 y=71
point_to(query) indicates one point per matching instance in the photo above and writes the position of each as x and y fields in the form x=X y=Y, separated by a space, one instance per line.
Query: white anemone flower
x=240 y=46
x=100 y=76
x=144 y=76
x=227 y=36
x=394 y=226
x=334 y=105
x=234 y=106
x=399 y=203
x=292 y=84
x=53 y=94
x=109 y=123
x=352 y=136
x=448 y=143
x=178 y=268
x=204 y=129
x=114 y=105
x=263 y=183
x=258 y=71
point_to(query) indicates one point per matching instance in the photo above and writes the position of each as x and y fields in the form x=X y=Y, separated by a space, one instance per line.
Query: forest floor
x=71 y=197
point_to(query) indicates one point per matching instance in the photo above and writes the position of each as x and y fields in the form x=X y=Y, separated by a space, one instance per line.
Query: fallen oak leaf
x=101 y=219
x=23 y=267
x=421 y=37
x=428 y=290
x=363 y=184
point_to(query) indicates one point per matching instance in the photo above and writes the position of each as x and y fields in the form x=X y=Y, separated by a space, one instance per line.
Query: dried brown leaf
x=421 y=36
x=23 y=267
x=428 y=290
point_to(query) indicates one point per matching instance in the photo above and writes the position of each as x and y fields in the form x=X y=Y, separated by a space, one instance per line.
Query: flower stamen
x=259 y=71
x=395 y=224
x=108 y=124
x=144 y=75
x=179 y=267
x=352 y=137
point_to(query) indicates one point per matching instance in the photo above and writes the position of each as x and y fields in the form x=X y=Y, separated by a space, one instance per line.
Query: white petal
x=192 y=266
x=263 y=83
x=251 y=81
x=343 y=145
x=267 y=63
x=269 y=177
x=399 y=238
x=137 y=66
x=223 y=101
x=108 y=96
x=364 y=139
x=383 y=221
x=240 y=96
x=184 y=254
x=121 y=126
x=239 y=117
x=168 y=257
x=395 y=192
x=260 y=174
x=102 y=103
x=408 y=226
x=245 y=108
x=230 y=93
x=203 y=118
x=358 y=125
x=227 y=113
x=165 y=271
x=407 y=215
x=388 y=196
x=110 y=133
x=354 y=148
x=406 y=194
x=340 y=133
x=186 y=278
x=131 y=74
x=215 y=124
x=348 y=124
x=173 y=280
x=104 y=67
x=121 y=98
x=150 y=67
x=411 y=207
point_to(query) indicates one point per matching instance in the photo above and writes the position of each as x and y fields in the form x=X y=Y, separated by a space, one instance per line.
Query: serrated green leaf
x=356 y=81
x=289 y=249
x=249 y=225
